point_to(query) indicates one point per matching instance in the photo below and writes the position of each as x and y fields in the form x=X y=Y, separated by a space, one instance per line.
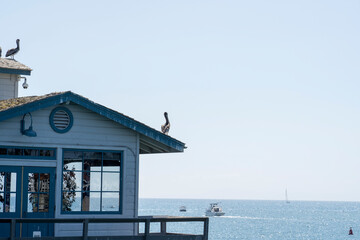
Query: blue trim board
x=101 y=110
x=15 y=71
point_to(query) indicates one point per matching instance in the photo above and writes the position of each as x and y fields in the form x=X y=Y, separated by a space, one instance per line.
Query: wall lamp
x=27 y=132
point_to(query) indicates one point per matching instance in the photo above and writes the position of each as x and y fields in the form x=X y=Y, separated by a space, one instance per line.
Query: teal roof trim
x=101 y=110
x=15 y=71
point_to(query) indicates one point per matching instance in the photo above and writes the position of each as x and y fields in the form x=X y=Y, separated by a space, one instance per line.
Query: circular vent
x=61 y=120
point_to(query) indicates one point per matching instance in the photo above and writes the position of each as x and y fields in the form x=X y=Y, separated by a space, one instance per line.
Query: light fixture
x=25 y=85
x=27 y=132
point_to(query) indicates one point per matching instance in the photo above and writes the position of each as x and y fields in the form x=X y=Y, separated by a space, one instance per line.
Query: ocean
x=255 y=220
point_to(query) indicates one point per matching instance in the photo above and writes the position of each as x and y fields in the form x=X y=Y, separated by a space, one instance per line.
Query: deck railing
x=147 y=235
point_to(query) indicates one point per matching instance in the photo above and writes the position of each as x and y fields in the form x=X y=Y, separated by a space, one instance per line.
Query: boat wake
x=256 y=218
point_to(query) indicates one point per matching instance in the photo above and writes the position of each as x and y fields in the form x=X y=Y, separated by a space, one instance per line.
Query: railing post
x=163 y=227
x=12 y=229
x=206 y=228
x=85 y=228
x=147 y=228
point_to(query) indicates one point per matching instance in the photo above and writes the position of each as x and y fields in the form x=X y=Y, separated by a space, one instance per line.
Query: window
x=27 y=152
x=91 y=181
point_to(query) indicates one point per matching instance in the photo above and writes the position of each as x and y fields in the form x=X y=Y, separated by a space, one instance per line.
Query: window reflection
x=71 y=181
x=38 y=192
x=71 y=201
x=95 y=181
x=2 y=202
x=32 y=202
x=12 y=202
x=111 y=181
x=85 y=201
x=7 y=191
x=112 y=165
x=43 y=202
x=33 y=182
x=94 y=201
x=110 y=202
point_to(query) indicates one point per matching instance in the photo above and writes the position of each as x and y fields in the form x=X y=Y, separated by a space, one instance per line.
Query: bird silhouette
x=166 y=127
x=13 y=51
x=0 y=52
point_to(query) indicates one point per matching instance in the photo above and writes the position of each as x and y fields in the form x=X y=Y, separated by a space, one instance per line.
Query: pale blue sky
x=265 y=94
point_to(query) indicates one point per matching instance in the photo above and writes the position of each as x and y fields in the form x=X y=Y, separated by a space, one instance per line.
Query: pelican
x=166 y=127
x=13 y=51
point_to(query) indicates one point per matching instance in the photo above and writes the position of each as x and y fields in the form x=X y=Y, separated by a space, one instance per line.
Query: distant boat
x=214 y=210
x=182 y=209
x=286 y=197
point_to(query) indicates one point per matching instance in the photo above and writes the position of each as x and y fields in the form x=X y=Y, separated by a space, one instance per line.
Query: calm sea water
x=255 y=220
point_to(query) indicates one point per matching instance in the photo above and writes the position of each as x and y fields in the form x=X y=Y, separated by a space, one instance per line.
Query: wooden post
x=206 y=228
x=163 y=227
x=12 y=229
x=85 y=228
x=147 y=228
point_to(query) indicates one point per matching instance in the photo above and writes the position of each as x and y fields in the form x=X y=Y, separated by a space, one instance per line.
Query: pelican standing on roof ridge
x=166 y=127
x=13 y=51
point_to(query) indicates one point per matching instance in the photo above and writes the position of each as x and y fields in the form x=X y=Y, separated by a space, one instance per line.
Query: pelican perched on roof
x=13 y=51
x=166 y=127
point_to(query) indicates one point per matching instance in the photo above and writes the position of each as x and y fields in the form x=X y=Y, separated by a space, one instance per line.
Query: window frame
x=120 y=191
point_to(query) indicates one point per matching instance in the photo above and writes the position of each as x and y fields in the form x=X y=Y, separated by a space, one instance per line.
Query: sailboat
x=286 y=197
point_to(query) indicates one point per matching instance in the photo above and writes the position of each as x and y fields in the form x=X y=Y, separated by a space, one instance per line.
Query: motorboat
x=214 y=210
x=182 y=209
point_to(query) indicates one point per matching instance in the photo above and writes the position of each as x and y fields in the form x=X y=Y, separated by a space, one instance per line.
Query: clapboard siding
x=8 y=86
x=89 y=131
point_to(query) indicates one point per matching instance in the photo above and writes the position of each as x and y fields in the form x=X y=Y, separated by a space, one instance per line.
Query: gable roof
x=151 y=140
x=11 y=66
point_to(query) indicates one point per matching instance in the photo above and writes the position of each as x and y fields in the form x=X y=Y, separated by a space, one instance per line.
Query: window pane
x=43 y=202
x=111 y=181
x=15 y=151
x=13 y=182
x=33 y=202
x=111 y=165
x=110 y=202
x=86 y=181
x=7 y=182
x=7 y=201
x=33 y=182
x=92 y=155
x=2 y=181
x=92 y=165
x=94 y=201
x=46 y=153
x=12 y=202
x=71 y=201
x=44 y=182
x=73 y=160
x=85 y=201
x=31 y=152
x=71 y=181
x=95 y=181
x=3 y=151
x=2 y=202
x=112 y=156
